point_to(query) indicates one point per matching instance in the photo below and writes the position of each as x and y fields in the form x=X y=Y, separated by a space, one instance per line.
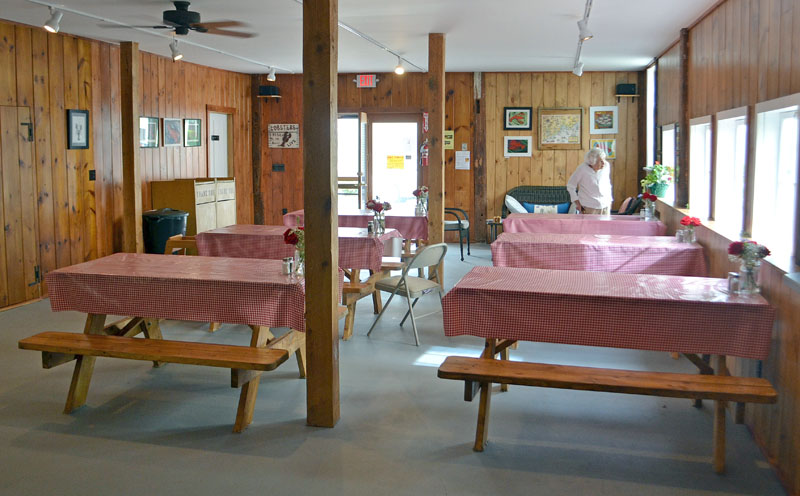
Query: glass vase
x=299 y=262
x=419 y=210
x=748 y=278
x=649 y=211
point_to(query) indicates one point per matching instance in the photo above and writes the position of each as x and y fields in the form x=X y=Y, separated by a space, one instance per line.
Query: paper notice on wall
x=462 y=160
x=448 y=140
x=395 y=161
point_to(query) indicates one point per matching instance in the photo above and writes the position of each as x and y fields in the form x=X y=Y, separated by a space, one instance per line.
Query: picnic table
x=409 y=225
x=691 y=315
x=147 y=288
x=600 y=252
x=583 y=224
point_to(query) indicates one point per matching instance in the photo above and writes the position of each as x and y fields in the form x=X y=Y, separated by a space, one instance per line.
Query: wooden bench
x=74 y=344
x=482 y=372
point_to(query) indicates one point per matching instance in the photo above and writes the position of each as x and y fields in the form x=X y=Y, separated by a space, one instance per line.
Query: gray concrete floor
x=402 y=430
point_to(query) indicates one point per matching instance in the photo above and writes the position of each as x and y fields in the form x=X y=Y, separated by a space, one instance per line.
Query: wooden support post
x=258 y=199
x=434 y=88
x=131 y=180
x=682 y=136
x=479 y=160
x=320 y=94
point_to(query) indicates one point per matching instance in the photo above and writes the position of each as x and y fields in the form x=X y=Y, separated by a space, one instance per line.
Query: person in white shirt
x=589 y=186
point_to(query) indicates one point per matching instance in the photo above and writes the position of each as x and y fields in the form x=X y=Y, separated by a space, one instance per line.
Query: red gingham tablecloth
x=357 y=248
x=409 y=225
x=202 y=289
x=600 y=252
x=637 y=311
x=583 y=224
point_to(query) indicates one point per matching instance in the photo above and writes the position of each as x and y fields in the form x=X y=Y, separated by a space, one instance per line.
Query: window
x=668 y=156
x=348 y=162
x=700 y=167
x=729 y=174
x=651 y=117
x=775 y=186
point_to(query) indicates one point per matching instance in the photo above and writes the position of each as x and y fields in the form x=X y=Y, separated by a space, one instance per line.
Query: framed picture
x=607 y=145
x=517 y=146
x=602 y=120
x=191 y=132
x=560 y=128
x=77 y=129
x=148 y=132
x=173 y=132
x=517 y=118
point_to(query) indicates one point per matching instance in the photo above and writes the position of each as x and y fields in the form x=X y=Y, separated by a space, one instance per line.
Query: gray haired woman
x=589 y=186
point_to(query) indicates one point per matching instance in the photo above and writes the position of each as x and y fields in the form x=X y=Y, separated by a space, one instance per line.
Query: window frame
x=697 y=121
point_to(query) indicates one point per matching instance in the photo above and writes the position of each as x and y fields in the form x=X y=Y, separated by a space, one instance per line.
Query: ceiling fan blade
x=128 y=27
x=225 y=32
x=221 y=24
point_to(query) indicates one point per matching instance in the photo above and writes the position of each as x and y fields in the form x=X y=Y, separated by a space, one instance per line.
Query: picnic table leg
x=84 y=366
x=152 y=330
x=719 y=420
x=247 y=398
x=293 y=342
x=482 y=431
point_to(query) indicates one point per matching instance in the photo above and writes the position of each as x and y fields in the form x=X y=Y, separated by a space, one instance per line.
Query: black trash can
x=159 y=225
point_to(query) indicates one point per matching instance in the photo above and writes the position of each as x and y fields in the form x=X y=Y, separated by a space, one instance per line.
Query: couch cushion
x=514 y=206
x=560 y=208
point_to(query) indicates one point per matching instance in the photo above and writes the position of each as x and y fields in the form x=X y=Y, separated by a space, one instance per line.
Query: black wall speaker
x=626 y=89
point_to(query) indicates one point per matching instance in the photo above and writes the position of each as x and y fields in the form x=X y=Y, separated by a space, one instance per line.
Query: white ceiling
x=481 y=35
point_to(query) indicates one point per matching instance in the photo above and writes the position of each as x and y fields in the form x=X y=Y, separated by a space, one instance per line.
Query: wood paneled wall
x=183 y=90
x=668 y=86
x=554 y=167
x=393 y=94
x=78 y=219
x=742 y=53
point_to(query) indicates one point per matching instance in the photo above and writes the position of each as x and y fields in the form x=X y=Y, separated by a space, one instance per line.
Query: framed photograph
x=517 y=146
x=77 y=129
x=603 y=120
x=517 y=118
x=173 y=132
x=191 y=132
x=607 y=145
x=560 y=128
x=148 y=132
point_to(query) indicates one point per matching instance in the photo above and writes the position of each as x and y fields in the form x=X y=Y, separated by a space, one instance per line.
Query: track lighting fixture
x=271 y=75
x=399 y=69
x=176 y=54
x=583 y=30
x=578 y=70
x=52 y=24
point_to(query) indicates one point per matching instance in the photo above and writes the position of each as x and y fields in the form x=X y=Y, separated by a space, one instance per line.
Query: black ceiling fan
x=182 y=20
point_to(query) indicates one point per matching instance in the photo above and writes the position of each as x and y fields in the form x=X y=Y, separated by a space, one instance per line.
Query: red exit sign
x=366 y=81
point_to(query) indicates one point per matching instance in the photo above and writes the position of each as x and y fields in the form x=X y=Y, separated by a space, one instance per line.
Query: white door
x=218 y=145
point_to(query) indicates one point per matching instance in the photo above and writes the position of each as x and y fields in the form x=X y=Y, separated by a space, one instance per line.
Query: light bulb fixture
x=583 y=30
x=399 y=69
x=578 y=70
x=271 y=75
x=176 y=54
x=52 y=24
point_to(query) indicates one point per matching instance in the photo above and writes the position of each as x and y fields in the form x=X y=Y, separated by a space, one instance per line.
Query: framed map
x=560 y=128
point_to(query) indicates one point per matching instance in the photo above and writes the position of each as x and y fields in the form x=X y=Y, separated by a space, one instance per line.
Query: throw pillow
x=563 y=208
x=514 y=206
x=545 y=209
x=560 y=208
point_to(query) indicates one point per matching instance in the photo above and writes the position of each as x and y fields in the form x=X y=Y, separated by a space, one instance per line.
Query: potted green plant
x=658 y=179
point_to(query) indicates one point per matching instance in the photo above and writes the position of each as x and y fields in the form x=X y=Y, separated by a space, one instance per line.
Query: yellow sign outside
x=395 y=161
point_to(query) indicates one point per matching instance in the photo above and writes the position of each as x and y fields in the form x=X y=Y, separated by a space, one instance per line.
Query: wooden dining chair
x=413 y=288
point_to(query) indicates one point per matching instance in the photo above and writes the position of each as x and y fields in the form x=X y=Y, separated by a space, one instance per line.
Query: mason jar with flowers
x=297 y=236
x=749 y=255
x=658 y=179
x=649 y=205
x=379 y=208
x=422 y=200
x=688 y=235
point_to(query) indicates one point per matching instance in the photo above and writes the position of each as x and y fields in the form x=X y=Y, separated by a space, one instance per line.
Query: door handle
x=30 y=130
